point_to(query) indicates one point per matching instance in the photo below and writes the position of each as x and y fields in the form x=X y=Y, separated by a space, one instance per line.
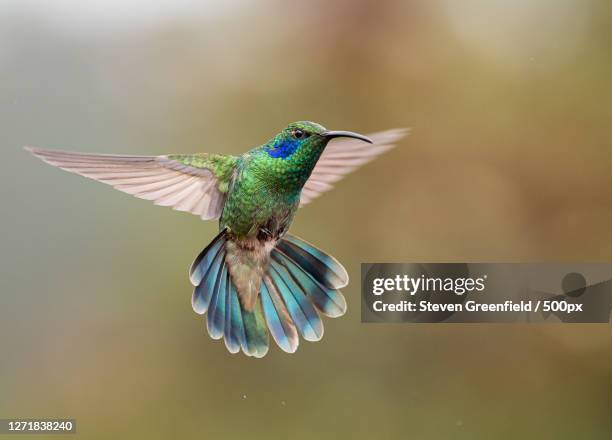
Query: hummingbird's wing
x=193 y=183
x=342 y=156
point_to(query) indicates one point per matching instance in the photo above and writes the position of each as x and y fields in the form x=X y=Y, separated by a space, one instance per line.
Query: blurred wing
x=342 y=156
x=191 y=183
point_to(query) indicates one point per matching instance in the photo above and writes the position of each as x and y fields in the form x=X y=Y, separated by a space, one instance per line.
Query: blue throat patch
x=283 y=149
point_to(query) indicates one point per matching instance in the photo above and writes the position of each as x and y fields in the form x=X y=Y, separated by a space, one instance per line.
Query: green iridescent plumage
x=254 y=279
x=221 y=165
x=268 y=182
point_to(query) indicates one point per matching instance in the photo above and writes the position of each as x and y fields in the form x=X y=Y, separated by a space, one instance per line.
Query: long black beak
x=349 y=134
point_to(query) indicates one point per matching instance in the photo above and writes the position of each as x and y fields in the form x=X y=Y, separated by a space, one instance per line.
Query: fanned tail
x=300 y=282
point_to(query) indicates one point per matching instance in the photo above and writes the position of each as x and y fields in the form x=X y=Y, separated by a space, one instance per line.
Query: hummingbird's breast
x=259 y=204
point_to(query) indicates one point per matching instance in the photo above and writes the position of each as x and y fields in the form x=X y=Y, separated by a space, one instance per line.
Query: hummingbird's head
x=306 y=138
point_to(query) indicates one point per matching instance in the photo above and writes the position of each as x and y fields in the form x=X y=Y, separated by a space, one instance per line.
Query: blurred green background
x=509 y=160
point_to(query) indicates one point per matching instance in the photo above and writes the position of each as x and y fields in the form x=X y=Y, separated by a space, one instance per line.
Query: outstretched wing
x=193 y=183
x=342 y=156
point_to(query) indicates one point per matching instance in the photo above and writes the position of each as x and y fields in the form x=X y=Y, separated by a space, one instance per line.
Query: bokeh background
x=509 y=160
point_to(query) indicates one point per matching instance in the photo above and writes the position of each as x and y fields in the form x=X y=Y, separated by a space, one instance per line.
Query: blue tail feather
x=203 y=292
x=303 y=313
x=230 y=334
x=203 y=261
x=215 y=320
x=204 y=271
x=328 y=301
x=255 y=330
x=279 y=322
x=236 y=331
x=321 y=266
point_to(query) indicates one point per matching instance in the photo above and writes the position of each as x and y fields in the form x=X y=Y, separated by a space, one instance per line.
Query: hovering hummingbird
x=253 y=276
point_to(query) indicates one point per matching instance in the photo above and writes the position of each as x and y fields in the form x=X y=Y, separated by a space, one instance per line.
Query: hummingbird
x=254 y=279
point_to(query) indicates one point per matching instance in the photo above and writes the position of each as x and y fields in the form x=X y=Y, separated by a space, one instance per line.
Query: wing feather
x=161 y=179
x=343 y=156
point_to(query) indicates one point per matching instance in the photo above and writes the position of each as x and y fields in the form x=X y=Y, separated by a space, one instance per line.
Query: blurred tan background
x=509 y=160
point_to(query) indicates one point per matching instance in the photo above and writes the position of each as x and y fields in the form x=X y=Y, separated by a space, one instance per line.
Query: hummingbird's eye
x=299 y=134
